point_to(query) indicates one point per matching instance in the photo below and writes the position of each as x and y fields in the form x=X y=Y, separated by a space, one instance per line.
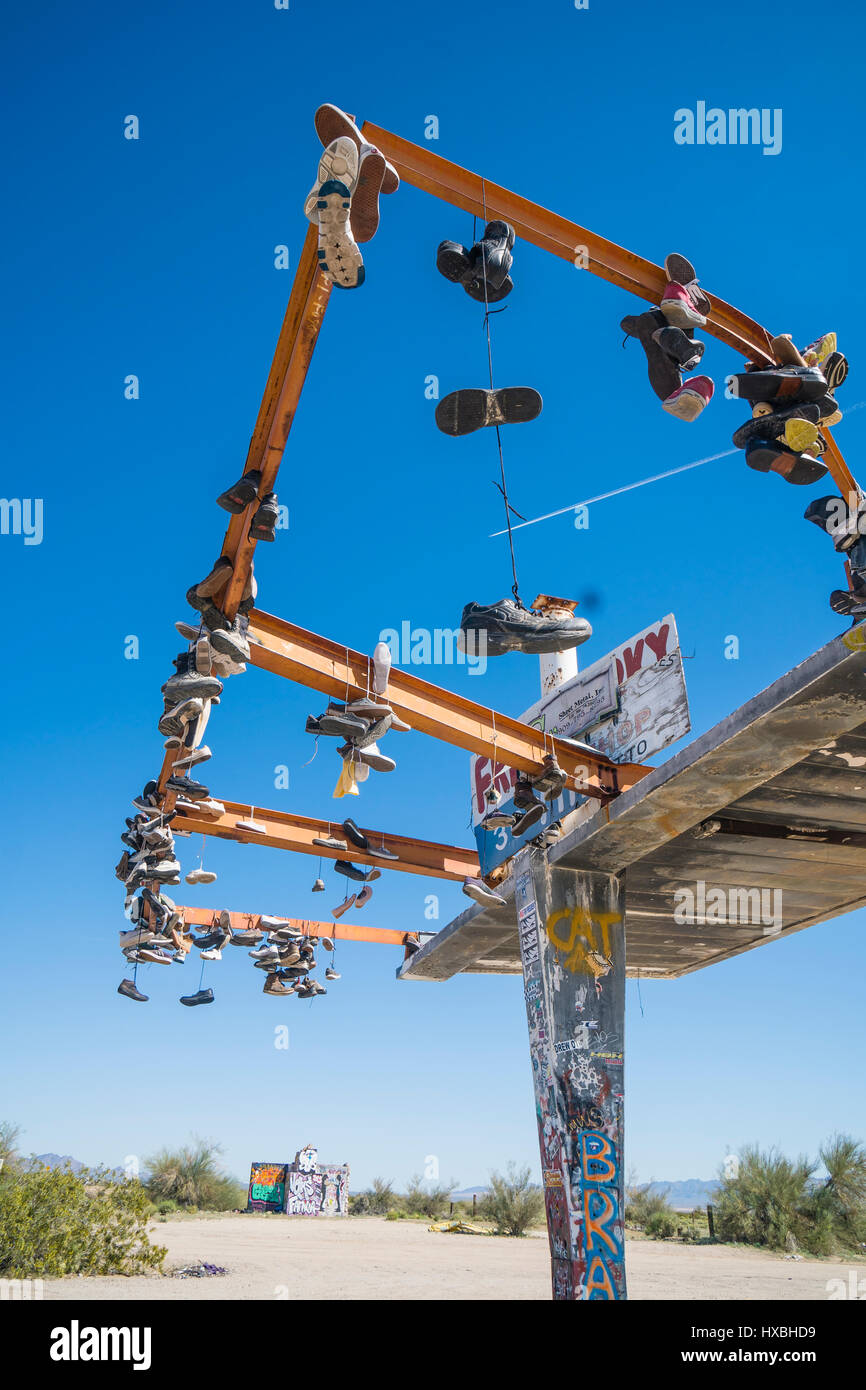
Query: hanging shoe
x=201 y=996
x=195 y=791
x=530 y=809
x=381 y=667
x=197 y=755
x=490 y=259
x=380 y=852
x=665 y=376
x=318 y=886
x=331 y=973
x=679 y=308
x=238 y=497
x=358 y=838
x=368 y=756
x=348 y=870
x=690 y=399
x=835 y=518
x=331 y=123
x=551 y=782
x=330 y=842
x=128 y=989
x=848 y=604
x=264 y=522
x=274 y=985
x=507 y=626
x=328 y=205
x=470 y=409
x=216 y=580
x=233 y=642
x=767 y=423
x=364 y=896
x=497 y=820
x=686 y=352
x=679 y=269
x=336 y=722
x=453 y=261
x=256 y=827
x=476 y=889
x=801 y=435
x=187 y=684
x=770 y=456
x=337 y=912
x=364 y=212
x=779 y=386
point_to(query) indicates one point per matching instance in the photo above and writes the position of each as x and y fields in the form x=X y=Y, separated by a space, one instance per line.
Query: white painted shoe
x=381 y=667
x=198 y=755
x=371 y=757
x=254 y=825
x=201 y=876
x=214 y=954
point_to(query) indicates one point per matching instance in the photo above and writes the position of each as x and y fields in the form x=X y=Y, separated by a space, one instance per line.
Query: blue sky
x=156 y=257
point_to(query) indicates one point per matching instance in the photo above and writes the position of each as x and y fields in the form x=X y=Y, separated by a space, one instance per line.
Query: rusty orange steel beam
x=336 y=670
x=295 y=345
x=419 y=166
x=286 y=831
x=338 y=931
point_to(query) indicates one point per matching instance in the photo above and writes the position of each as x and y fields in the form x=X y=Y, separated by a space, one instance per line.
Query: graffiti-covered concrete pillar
x=572 y=944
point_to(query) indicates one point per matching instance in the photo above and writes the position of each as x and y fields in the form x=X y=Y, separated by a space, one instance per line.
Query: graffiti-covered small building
x=304 y=1187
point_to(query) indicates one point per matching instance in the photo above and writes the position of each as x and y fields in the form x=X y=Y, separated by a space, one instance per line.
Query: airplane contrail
x=603 y=496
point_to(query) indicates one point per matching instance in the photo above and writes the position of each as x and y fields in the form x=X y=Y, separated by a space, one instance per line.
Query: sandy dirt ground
x=368 y=1257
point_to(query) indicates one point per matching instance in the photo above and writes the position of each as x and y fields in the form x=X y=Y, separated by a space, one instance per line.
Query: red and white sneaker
x=679 y=308
x=691 y=398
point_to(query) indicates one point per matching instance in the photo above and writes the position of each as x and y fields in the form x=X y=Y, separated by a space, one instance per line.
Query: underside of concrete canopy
x=769 y=807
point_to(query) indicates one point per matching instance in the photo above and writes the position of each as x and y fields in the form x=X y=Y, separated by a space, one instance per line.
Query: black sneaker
x=453 y=261
x=348 y=870
x=684 y=351
x=490 y=259
x=201 y=996
x=772 y=425
x=264 y=523
x=530 y=809
x=826 y=513
x=336 y=723
x=239 y=496
x=196 y=791
x=665 y=376
x=509 y=627
x=463 y=412
x=128 y=990
x=358 y=838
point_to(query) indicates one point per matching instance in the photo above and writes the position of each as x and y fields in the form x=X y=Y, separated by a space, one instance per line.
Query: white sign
x=629 y=705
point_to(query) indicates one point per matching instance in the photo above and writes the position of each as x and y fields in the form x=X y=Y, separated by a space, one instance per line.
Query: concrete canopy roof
x=771 y=798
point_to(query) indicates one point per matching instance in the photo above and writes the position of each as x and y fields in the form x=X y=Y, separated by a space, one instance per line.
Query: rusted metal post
x=572 y=945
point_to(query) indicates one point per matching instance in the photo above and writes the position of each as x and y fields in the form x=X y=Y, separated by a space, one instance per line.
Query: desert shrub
x=650 y=1211
x=54 y=1222
x=431 y=1201
x=193 y=1178
x=763 y=1203
x=9 y=1157
x=513 y=1203
x=393 y=1216
x=377 y=1200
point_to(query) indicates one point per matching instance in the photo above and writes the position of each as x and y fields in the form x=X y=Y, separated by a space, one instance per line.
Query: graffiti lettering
x=585 y=941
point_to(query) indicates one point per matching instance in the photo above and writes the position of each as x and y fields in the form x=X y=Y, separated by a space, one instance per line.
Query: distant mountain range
x=67 y=1161
x=682 y=1196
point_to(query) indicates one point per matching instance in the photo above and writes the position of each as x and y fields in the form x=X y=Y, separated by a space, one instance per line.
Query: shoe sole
x=331 y=123
x=364 y=216
x=465 y=411
x=665 y=377
x=452 y=261
x=338 y=253
x=679 y=269
x=765 y=457
x=685 y=405
x=337 y=912
x=679 y=315
x=527 y=819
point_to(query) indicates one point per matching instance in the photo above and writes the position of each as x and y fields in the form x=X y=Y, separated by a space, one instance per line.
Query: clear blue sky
x=156 y=257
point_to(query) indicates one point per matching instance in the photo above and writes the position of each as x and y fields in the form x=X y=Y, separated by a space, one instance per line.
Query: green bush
x=378 y=1200
x=650 y=1211
x=393 y=1216
x=54 y=1222
x=192 y=1178
x=430 y=1202
x=776 y=1202
x=513 y=1204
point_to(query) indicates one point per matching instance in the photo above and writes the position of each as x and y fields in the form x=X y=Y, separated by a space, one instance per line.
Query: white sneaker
x=371 y=757
x=214 y=954
x=328 y=204
x=474 y=888
x=254 y=825
x=201 y=876
x=208 y=807
x=381 y=667
x=198 y=755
